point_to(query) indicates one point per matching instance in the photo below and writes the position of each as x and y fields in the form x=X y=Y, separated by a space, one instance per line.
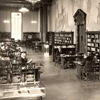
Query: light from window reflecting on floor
x=46 y=50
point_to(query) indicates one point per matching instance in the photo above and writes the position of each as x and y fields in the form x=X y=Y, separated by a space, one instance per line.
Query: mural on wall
x=93 y=19
x=61 y=18
x=89 y=6
x=62 y=14
x=79 y=3
x=65 y=9
x=89 y=11
x=73 y=6
x=98 y=16
x=92 y=9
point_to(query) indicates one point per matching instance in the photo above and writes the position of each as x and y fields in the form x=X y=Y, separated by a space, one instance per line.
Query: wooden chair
x=16 y=72
x=28 y=72
x=88 y=71
x=4 y=71
x=97 y=71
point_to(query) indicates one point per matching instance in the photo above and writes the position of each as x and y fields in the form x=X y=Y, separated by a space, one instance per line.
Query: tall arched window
x=16 y=25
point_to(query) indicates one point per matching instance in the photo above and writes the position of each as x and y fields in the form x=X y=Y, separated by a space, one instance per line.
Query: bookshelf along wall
x=30 y=35
x=50 y=38
x=60 y=38
x=93 y=39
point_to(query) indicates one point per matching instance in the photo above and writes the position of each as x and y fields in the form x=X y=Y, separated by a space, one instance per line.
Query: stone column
x=41 y=23
x=45 y=22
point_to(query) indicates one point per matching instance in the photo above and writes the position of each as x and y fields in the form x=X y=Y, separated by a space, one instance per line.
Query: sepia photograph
x=49 y=49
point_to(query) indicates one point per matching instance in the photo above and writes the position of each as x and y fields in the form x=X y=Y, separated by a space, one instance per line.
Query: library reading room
x=50 y=50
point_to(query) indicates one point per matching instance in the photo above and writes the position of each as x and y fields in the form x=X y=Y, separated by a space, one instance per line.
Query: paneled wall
x=3 y=16
x=26 y=25
x=62 y=12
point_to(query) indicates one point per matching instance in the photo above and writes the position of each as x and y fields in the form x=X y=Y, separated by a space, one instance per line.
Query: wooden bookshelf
x=5 y=35
x=93 y=44
x=63 y=38
x=60 y=38
x=50 y=38
x=30 y=35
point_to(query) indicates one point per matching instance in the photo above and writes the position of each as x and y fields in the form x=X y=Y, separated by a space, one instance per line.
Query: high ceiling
x=16 y=4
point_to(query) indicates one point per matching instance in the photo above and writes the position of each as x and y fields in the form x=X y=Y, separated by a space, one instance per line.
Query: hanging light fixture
x=24 y=10
x=6 y=20
x=33 y=1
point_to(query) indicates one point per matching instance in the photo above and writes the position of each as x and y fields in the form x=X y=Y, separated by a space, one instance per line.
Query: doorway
x=80 y=22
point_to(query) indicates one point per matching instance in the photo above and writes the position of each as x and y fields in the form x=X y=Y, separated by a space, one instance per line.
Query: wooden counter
x=22 y=90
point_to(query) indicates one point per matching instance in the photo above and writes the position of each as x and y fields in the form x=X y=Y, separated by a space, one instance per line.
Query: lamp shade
x=33 y=1
x=24 y=9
